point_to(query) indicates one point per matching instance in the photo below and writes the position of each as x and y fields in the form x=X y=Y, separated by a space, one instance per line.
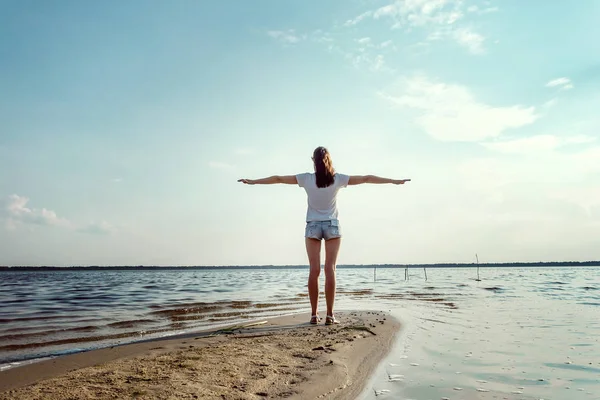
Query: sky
x=124 y=127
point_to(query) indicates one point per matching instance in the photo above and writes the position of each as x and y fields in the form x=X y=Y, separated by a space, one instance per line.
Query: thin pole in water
x=425 y=269
x=374 y=273
x=477 y=267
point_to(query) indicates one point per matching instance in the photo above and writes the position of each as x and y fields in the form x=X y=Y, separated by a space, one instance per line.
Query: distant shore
x=212 y=267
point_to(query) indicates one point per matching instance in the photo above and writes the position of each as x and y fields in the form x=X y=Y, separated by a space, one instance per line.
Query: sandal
x=315 y=319
x=330 y=320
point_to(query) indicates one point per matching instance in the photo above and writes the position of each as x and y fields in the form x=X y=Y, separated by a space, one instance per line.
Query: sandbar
x=283 y=357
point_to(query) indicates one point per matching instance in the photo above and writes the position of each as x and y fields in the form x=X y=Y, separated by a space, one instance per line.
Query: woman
x=322 y=221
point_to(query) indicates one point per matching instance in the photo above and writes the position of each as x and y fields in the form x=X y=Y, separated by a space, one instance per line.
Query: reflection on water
x=532 y=330
x=518 y=334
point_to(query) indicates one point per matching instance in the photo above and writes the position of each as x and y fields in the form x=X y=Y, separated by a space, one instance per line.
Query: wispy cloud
x=432 y=20
x=414 y=13
x=373 y=63
x=550 y=103
x=379 y=63
x=287 y=37
x=117 y=180
x=364 y=53
x=485 y=10
x=358 y=19
x=560 y=83
x=450 y=112
x=438 y=18
x=386 y=44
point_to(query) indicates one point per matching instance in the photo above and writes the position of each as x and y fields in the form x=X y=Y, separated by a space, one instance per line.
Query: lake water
x=525 y=332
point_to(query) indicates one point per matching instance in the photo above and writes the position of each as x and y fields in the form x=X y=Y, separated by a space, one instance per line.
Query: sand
x=279 y=358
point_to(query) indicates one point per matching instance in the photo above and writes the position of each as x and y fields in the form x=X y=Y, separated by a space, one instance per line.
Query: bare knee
x=329 y=269
x=315 y=271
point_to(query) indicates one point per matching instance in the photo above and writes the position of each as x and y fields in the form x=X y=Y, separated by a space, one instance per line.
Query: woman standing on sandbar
x=322 y=221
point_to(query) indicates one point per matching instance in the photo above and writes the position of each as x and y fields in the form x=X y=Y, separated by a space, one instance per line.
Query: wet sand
x=278 y=358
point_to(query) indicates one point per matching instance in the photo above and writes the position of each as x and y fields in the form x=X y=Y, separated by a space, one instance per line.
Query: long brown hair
x=323 y=167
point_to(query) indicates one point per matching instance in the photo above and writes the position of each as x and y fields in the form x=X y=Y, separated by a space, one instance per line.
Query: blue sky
x=125 y=125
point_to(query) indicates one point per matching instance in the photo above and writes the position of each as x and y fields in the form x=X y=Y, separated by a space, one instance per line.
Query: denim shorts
x=323 y=230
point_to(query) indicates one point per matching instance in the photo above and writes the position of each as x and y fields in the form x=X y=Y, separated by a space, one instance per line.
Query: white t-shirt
x=322 y=205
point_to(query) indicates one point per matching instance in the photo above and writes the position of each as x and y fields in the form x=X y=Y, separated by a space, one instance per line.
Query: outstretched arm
x=360 y=179
x=287 y=179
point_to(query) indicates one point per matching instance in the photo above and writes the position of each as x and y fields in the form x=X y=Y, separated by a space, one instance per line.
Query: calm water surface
x=530 y=332
x=517 y=334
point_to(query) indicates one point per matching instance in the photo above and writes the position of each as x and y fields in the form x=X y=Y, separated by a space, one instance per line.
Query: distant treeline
x=440 y=265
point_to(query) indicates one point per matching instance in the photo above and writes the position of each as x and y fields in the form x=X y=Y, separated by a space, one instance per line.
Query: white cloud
x=17 y=212
x=476 y=9
x=354 y=21
x=117 y=180
x=288 y=37
x=16 y=205
x=220 y=165
x=365 y=40
x=386 y=44
x=473 y=41
x=385 y=11
x=413 y=13
x=465 y=37
x=449 y=112
x=560 y=83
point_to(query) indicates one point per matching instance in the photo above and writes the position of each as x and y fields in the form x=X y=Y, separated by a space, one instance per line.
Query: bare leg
x=332 y=248
x=313 y=249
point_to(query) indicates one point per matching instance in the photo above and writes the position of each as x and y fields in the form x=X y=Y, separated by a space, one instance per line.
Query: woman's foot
x=330 y=320
x=315 y=319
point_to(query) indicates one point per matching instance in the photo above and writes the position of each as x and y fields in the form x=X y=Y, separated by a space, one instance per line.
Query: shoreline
x=279 y=357
x=192 y=332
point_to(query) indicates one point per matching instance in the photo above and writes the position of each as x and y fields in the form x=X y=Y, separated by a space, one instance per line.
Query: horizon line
x=386 y=265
